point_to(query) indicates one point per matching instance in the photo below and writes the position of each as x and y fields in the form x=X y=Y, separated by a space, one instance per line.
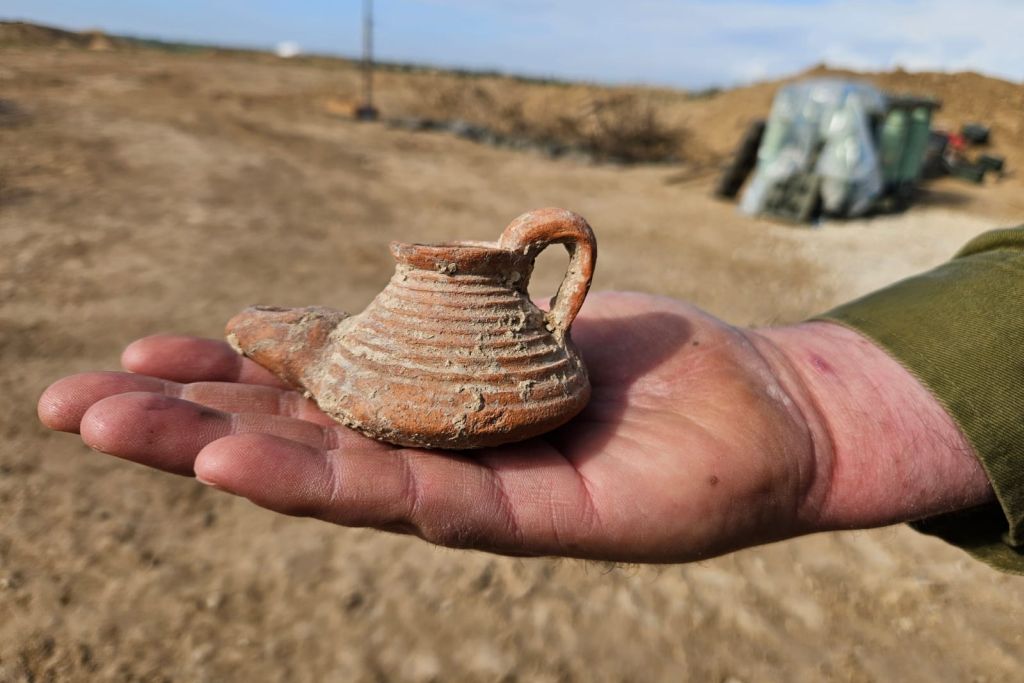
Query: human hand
x=700 y=438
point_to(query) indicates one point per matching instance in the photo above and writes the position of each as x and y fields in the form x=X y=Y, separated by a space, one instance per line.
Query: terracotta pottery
x=452 y=354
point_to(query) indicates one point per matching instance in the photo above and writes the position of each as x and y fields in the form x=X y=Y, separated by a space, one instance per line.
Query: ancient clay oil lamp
x=453 y=353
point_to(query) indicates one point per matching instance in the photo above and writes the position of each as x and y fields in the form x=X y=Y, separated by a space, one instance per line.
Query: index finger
x=194 y=359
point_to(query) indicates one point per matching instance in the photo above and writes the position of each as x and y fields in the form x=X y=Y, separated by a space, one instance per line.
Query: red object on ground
x=957 y=142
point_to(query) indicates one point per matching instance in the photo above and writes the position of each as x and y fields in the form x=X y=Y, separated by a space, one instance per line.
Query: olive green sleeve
x=960 y=329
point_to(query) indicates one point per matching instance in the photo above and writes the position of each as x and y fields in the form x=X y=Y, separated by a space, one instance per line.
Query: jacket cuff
x=960 y=330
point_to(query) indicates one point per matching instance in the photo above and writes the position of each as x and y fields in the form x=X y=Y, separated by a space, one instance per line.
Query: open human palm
x=696 y=441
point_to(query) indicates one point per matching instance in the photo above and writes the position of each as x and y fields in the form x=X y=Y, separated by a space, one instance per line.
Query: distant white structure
x=287 y=48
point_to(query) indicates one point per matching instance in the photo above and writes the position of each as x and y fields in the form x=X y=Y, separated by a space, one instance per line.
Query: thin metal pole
x=368 y=54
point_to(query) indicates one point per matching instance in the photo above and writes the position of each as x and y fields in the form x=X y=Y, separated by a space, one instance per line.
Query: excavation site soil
x=146 y=191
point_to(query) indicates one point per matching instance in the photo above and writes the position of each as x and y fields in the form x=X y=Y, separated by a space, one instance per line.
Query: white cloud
x=709 y=41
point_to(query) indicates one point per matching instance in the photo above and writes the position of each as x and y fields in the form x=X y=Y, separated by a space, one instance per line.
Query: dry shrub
x=623 y=127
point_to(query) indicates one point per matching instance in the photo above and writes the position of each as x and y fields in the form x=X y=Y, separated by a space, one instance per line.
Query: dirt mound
x=703 y=127
x=24 y=34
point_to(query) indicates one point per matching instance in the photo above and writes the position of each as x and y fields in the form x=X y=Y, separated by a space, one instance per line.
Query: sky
x=688 y=43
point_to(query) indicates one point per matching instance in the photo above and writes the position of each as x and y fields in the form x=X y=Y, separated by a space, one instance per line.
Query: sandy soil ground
x=152 y=192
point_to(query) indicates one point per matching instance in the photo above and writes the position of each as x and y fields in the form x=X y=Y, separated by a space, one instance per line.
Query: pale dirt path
x=151 y=194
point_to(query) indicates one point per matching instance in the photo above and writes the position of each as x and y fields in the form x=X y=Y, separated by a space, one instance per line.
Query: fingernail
x=209 y=483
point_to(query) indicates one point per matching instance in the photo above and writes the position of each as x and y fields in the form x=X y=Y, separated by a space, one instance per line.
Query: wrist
x=886 y=450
